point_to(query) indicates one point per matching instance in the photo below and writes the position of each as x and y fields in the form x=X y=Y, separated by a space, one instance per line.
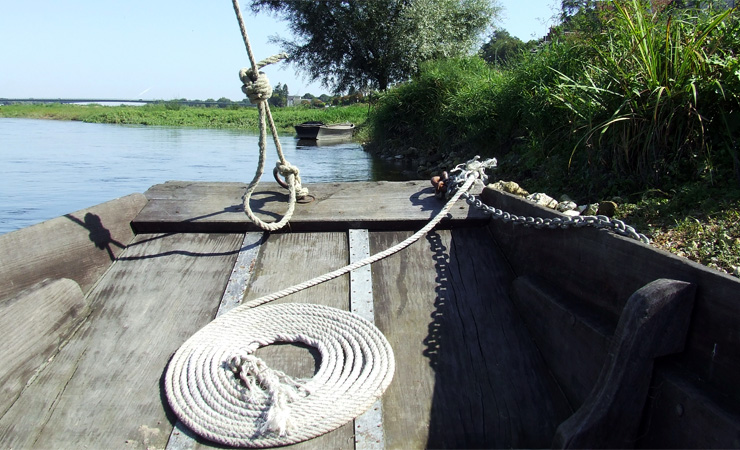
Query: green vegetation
x=623 y=99
x=374 y=43
x=188 y=116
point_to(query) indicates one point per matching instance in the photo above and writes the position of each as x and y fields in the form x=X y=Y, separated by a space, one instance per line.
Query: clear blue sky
x=158 y=49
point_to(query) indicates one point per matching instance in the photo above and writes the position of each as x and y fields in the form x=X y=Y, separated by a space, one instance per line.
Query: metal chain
x=475 y=168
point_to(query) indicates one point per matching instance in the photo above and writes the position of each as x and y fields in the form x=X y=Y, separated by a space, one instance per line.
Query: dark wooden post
x=654 y=323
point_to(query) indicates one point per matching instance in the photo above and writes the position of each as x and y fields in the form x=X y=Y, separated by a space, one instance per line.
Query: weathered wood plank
x=79 y=246
x=467 y=372
x=677 y=402
x=653 y=324
x=285 y=260
x=33 y=326
x=217 y=207
x=573 y=333
x=181 y=438
x=103 y=389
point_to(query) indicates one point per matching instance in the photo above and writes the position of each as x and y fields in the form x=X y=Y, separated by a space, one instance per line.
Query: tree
x=279 y=95
x=374 y=43
x=502 y=47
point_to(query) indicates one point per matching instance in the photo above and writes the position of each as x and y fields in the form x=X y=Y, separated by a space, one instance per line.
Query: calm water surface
x=51 y=168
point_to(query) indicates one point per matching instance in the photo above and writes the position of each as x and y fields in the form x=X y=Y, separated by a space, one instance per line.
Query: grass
x=187 y=116
x=694 y=222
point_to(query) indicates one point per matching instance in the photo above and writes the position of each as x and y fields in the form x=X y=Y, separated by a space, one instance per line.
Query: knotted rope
x=257 y=88
x=220 y=390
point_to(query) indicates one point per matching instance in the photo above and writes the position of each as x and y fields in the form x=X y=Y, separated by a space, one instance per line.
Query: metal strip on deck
x=369 y=433
x=178 y=206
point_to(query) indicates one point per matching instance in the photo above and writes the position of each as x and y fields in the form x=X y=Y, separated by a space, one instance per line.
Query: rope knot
x=287 y=169
x=257 y=85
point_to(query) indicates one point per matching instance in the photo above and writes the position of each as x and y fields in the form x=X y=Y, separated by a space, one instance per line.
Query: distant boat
x=321 y=131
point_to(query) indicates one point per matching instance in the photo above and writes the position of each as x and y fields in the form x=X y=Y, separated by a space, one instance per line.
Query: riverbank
x=243 y=118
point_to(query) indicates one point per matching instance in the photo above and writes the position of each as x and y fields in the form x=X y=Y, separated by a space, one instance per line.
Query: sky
x=161 y=49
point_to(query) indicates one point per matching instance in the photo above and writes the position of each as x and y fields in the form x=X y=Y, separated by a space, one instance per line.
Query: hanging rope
x=257 y=87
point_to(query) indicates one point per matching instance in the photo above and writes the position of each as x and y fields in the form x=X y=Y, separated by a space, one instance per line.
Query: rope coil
x=220 y=390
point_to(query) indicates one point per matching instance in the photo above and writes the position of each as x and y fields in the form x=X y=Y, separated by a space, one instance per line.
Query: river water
x=51 y=168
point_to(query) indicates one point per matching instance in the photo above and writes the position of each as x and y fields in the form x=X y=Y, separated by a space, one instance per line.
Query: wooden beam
x=34 y=325
x=179 y=206
x=654 y=324
x=103 y=388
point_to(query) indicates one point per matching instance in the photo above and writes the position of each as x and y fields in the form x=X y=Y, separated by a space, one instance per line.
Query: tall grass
x=647 y=98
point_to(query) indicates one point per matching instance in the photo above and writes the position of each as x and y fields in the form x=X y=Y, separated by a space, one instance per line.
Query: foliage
x=624 y=101
x=693 y=221
x=279 y=96
x=375 y=43
x=503 y=48
x=645 y=100
x=198 y=117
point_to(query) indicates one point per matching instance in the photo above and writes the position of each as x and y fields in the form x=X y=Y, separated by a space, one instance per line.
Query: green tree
x=279 y=95
x=374 y=43
x=502 y=47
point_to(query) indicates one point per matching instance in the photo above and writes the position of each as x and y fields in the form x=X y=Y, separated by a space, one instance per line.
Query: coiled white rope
x=220 y=390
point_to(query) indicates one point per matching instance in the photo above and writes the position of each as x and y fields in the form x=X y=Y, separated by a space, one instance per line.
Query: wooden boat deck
x=468 y=371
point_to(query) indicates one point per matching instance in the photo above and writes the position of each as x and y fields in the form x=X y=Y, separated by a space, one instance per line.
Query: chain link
x=475 y=168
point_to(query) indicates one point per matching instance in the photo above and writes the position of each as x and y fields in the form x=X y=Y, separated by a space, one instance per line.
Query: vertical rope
x=258 y=89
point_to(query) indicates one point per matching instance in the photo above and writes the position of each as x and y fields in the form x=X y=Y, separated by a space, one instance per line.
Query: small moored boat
x=322 y=131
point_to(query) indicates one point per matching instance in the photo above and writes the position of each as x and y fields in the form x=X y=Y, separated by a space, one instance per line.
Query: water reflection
x=51 y=168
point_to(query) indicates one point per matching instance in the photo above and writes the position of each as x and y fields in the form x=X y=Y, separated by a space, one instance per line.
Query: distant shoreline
x=176 y=115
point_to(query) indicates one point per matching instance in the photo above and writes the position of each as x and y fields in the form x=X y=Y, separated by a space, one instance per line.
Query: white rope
x=369 y=260
x=220 y=390
x=257 y=87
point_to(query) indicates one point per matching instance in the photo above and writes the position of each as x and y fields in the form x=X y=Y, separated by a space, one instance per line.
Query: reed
x=646 y=100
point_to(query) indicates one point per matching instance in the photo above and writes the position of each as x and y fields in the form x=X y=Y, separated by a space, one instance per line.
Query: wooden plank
x=285 y=260
x=573 y=333
x=33 y=326
x=103 y=389
x=685 y=413
x=653 y=324
x=217 y=207
x=181 y=438
x=678 y=401
x=467 y=372
x=79 y=246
